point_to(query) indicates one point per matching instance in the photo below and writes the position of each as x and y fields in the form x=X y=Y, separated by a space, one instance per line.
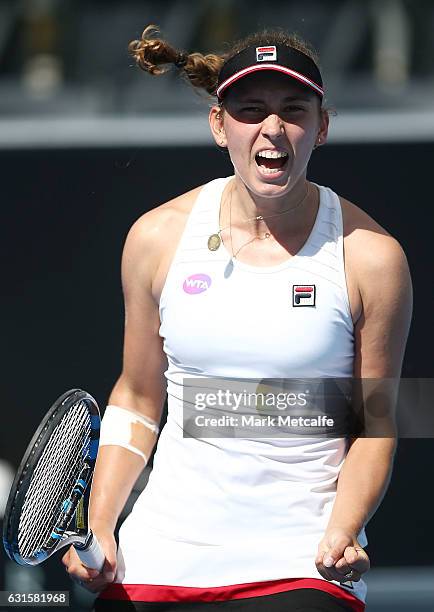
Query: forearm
x=126 y=445
x=362 y=483
x=116 y=471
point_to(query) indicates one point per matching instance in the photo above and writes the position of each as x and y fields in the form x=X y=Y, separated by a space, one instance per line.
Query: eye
x=293 y=108
x=251 y=109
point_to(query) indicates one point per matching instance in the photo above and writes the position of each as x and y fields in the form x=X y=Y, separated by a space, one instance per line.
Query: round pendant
x=267 y=235
x=214 y=241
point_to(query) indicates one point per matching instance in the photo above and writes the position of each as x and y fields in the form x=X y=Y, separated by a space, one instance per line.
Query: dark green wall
x=64 y=217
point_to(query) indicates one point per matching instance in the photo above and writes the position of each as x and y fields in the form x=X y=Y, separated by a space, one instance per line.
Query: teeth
x=272 y=154
x=270 y=170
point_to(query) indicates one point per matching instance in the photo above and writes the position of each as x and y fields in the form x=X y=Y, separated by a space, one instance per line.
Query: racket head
x=57 y=465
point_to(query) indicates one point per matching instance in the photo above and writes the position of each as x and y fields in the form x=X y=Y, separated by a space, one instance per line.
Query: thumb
x=109 y=570
x=334 y=553
x=110 y=564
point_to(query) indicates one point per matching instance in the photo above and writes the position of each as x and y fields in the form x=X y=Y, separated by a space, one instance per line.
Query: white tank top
x=222 y=511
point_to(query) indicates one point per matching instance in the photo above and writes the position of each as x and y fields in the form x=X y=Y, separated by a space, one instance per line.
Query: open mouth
x=271 y=162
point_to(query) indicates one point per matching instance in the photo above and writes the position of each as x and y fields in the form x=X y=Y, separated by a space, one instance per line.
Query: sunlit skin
x=279 y=117
x=269 y=110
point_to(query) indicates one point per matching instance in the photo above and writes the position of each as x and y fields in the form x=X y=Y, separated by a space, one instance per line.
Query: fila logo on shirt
x=303 y=295
x=266 y=54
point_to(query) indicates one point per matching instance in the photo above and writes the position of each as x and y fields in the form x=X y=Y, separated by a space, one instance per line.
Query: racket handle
x=91 y=555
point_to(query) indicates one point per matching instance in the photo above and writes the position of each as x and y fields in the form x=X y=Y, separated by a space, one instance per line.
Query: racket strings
x=61 y=461
x=65 y=470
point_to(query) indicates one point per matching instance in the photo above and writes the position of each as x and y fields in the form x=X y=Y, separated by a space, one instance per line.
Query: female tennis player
x=260 y=275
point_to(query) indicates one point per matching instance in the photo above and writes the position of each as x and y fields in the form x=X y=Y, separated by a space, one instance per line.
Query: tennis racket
x=48 y=504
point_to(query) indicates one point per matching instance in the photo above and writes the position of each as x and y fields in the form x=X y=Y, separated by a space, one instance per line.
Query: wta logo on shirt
x=303 y=295
x=196 y=283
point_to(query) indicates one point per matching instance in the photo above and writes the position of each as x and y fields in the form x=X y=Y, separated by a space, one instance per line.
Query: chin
x=264 y=188
x=270 y=191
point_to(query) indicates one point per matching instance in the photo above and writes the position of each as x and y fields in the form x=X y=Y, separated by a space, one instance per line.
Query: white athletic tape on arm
x=122 y=427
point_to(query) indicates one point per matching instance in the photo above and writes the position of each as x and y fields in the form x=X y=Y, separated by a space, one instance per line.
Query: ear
x=323 y=127
x=216 y=122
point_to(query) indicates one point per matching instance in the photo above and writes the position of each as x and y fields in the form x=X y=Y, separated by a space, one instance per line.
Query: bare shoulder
x=378 y=269
x=161 y=222
x=369 y=248
x=155 y=231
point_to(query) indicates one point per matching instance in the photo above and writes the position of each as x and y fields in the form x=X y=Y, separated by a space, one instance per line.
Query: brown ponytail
x=150 y=53
x=202 y=71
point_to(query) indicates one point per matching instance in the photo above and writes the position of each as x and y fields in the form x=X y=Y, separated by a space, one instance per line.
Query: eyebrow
x=295 y=98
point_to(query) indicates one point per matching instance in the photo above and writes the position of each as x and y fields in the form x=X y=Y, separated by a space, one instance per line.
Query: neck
x=288 y=213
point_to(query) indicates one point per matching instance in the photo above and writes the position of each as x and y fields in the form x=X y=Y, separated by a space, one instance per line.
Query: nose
x=272 y=126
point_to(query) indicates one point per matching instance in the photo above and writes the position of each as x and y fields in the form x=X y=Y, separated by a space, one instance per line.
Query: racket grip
x=91 y=555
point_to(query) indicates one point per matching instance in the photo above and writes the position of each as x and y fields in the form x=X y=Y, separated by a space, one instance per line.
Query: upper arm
x=146 y=257
x=142 y=384
x=386 y=293
x=381 y=332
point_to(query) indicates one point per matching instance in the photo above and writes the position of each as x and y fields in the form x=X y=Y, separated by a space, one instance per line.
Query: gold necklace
x=214 y=241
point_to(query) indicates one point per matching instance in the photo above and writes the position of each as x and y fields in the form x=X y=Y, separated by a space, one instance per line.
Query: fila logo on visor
x=303 y=295
x=266 y=54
